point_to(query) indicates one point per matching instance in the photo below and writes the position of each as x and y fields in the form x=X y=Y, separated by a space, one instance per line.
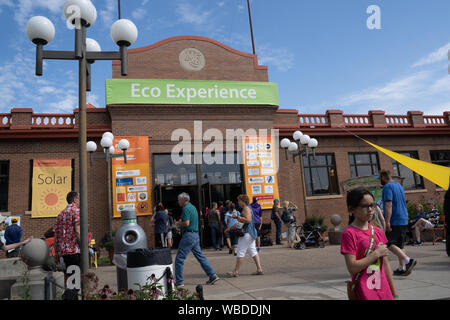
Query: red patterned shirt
x=66 y=240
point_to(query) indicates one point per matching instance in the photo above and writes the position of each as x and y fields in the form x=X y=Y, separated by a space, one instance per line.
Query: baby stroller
x=310 y=238
x=265 y=235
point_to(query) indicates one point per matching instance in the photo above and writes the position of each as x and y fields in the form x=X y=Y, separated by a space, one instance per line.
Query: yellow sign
x=131 y=181
x=52 y=180
x=433 y=172
x=260 y=169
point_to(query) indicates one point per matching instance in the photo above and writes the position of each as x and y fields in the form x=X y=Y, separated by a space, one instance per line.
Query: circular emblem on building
x=192 y=59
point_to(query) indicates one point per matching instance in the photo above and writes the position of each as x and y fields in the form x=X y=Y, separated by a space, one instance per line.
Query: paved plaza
x=311 y=274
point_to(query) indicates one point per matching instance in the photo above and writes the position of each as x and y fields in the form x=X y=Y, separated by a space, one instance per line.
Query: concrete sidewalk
x=311 y=274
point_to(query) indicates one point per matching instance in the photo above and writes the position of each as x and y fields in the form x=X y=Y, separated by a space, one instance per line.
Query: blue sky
x=319 y=52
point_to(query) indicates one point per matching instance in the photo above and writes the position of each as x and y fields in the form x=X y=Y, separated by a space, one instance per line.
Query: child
x=375 y=281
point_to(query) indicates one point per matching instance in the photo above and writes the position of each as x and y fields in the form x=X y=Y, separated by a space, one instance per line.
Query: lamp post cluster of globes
x=109 y=153
x=301 y=146
x=40 y=30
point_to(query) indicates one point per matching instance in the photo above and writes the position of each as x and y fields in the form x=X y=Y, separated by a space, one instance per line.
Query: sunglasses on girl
x=367 y=206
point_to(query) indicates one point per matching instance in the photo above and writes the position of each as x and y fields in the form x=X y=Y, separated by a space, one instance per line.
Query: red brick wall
x=162 y=62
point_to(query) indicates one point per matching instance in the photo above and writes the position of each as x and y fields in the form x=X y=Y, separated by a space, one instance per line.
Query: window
x=223 y=172
x=4 y=182
x=363 y=164
x=168 y=173
x=320 y=175
x=411 y=179
x=440 y=157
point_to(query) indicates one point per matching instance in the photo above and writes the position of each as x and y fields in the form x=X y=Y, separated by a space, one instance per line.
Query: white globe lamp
x=124 y=32
x=91 y=146
x=285 y=143
x=40 y=30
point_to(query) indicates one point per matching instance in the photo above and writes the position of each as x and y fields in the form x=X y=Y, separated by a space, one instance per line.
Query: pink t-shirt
x=373 y=283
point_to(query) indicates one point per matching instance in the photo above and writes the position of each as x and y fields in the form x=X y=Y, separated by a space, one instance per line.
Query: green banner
x=161 y=91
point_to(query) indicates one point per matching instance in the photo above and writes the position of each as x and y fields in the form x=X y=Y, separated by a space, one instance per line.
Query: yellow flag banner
x=433 y=172
x=52 y=180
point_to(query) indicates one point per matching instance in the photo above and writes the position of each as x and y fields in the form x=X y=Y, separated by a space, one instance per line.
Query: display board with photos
x=260 y=169
x=131 y=181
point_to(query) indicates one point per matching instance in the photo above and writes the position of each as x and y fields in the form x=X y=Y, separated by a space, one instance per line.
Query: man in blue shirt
x=13 y=234
x=396 y=216
x=190 y=241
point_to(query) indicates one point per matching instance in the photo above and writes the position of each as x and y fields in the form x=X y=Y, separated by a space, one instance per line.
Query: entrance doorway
x=215 y=193
x=205 y=183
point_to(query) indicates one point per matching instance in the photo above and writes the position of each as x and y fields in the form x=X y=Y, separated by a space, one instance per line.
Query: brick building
x=25 y=136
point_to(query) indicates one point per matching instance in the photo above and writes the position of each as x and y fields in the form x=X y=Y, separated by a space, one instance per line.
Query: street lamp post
x=41 y=31
x=301 y=146
x=108 y=149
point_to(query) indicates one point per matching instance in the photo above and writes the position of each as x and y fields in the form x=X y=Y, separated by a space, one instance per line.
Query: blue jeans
x=278 y=233
x=216 y=236
x=190 y=242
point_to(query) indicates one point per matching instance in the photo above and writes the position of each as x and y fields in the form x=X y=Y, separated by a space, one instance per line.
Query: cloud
x=64 y=105
x=93 y=99
x=191 y=14
x=139 y=13
x=108 y=13
x=47 y=89
x=280 y=58
x=394 y=91
x=435 y=56
x=24 y=8
x=427 y=91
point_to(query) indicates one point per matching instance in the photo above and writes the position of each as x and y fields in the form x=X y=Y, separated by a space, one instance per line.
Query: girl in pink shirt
x=376 y=281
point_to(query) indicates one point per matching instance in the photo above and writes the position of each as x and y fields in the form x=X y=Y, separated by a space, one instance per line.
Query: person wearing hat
x=13 y=234
x=277 y=220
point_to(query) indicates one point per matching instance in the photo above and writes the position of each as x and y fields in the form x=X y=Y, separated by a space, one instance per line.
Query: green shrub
x=411 y=210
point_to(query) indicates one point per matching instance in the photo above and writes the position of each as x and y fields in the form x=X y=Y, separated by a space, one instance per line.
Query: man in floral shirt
x=67 y=232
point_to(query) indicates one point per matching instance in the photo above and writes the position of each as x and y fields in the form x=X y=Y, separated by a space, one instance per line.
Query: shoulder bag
x=351 y=285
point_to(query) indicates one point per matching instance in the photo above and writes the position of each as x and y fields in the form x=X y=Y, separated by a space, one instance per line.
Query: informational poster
x=52 y=180
x=260 y=169
x=131 y=181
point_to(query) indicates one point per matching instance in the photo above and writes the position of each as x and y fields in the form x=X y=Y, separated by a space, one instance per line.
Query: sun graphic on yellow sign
x=52 y=199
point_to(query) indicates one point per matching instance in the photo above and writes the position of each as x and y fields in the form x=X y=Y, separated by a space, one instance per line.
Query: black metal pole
x=302 y=173
x=83 y=160
x=118 y=5
x=47 y=287
x=123 y=60
x=251 y=26
x=39 y=59
x=108 y=161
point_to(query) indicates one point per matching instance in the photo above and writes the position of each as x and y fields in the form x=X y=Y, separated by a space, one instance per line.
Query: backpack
x=284 y=217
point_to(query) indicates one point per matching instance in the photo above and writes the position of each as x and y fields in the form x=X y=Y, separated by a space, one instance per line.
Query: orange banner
x=52 y=180
x=260 y=169
x=131 y=181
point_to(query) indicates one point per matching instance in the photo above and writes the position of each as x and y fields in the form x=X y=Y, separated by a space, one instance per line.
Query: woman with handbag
x=247 y=241
x=365 y=251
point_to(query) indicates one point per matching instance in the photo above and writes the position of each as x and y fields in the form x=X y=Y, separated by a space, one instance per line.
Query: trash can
x=129 y=236
x=143 y=263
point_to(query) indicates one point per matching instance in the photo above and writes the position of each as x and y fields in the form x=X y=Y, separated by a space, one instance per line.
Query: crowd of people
x=371 y=234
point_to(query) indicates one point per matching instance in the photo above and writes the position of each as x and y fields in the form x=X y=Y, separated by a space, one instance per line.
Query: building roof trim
x=198 y=38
